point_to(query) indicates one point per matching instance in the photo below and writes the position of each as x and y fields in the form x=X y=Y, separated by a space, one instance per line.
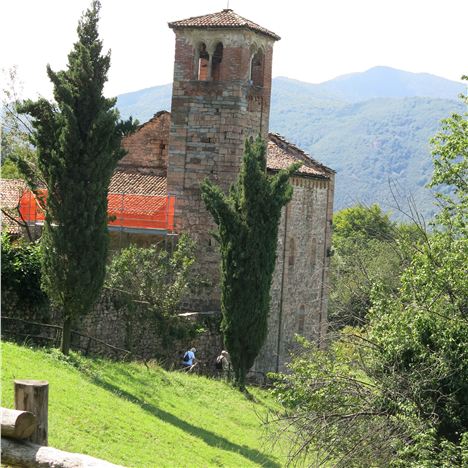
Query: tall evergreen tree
x=247 y=222
x=78 y=145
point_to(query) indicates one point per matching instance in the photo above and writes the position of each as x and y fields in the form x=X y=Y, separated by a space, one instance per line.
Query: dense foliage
x=247 y=222
x=395 y=392
x=148 y=284
x=369 y=249
x=78 y=145
x=22 y=296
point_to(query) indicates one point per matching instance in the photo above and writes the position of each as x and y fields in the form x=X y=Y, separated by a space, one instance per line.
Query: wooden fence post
x=33 y=396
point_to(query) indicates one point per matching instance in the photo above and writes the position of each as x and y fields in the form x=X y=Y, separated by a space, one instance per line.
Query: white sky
x=321 y=39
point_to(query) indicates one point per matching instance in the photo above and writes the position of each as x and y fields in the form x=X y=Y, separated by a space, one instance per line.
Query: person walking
x=223 y=363
x=189 y=361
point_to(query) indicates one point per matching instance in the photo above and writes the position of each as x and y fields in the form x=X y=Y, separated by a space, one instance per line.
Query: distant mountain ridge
x=386 y=82
x=372 y=127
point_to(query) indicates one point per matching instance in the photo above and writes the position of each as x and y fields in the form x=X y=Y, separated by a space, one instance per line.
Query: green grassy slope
x=134 y=416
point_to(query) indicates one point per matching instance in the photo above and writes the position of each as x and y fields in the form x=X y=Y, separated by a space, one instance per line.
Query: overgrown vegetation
x=148 y=284
x=130 y=415
x=369 y=248
x=22 y=296
x=77 y=139
x=395 y=391
x=247 y=222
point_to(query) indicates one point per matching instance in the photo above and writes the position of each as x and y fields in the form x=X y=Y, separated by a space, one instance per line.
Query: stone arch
x=257 y=67
x=203 y=60
x=216 y=61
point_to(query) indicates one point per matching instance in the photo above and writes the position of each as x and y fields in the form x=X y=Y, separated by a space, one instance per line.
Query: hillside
x=373 y=128
x=139 y=417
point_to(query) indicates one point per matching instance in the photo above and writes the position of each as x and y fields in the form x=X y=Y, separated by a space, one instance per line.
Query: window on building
x=216 y=62
x=292 y=252
x=203 y=62
x=301 y=320
x=313 y=253
x=257 y=69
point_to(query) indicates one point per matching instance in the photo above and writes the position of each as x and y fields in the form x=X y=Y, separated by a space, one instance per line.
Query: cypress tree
x=247 y=220
x=78 y=145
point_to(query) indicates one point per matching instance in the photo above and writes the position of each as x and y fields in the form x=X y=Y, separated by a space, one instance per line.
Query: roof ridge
x=305 y=156
x=226 y=18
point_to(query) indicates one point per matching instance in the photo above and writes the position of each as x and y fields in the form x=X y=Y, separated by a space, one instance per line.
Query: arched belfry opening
x=203 y=62
x=257 y=68
x=216 y=62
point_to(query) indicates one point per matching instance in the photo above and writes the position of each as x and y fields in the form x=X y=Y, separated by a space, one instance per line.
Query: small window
x=301 y=320
x=257 y=68
x=313 y=253
x=292 y=252
x=216 y=62
x=203 y=62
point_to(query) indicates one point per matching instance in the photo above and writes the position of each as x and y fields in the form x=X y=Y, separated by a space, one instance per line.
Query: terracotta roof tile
x=222 y=19
x=281 y=154
x=138 y=184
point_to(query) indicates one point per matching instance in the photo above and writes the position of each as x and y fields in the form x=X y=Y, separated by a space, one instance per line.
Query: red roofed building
x=221 y=96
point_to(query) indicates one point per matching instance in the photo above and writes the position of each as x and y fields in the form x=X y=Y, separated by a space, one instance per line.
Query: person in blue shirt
x=189 y=361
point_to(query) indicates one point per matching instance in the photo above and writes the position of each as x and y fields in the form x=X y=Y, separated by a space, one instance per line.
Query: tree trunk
x=17 y=424
x=33 y=396
x=25 y=454
x=66 y=336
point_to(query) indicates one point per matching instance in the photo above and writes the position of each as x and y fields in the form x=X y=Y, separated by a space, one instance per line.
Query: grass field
x=128 y=414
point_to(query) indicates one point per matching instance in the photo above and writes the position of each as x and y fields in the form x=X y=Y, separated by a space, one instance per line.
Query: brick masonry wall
x=210 y=122
x=148 y=146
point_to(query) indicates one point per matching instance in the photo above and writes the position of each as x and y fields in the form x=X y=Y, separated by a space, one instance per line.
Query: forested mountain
x=373 y=128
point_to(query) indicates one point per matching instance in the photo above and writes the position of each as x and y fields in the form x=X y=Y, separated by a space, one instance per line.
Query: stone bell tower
x=221 y=96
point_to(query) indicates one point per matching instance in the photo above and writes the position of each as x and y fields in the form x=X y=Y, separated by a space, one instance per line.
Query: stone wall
x=300 y=281
x=116 y=328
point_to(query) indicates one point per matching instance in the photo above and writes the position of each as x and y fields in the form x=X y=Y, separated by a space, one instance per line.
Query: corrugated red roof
x=281 y=154
x=223 y=19
x=138 y=184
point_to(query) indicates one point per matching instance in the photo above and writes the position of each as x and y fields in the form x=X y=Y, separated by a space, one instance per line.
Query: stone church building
x=221 y=96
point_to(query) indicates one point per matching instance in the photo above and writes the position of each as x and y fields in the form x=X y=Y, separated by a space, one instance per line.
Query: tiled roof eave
x=225 y=19
x=271 y=35
x=305 y=175
x=300 y=154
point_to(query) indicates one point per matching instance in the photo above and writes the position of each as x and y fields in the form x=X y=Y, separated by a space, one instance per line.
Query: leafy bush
x=22 y=296
x=148 y=284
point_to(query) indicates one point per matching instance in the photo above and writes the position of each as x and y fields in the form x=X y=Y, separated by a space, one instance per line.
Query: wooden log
x=26 y=454
x=33 y=396
x=17 y=424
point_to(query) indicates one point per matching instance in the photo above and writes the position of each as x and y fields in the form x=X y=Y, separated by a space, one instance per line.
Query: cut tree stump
x=26 y=454
x=17 y=424
x=33 y=396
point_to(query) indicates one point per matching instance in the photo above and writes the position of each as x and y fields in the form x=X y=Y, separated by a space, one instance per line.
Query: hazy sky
x=321 y=39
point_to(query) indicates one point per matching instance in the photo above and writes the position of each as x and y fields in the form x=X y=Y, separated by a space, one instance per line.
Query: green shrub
x=22 y=296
